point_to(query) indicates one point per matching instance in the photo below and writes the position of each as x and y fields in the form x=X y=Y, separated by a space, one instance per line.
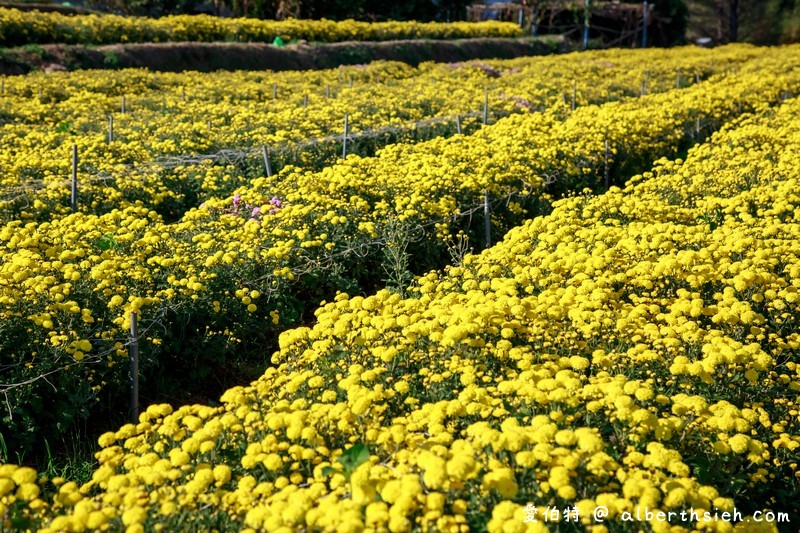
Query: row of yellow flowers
x=172 y=115
x=633 y=352
x=214 y=289
x=19 y=28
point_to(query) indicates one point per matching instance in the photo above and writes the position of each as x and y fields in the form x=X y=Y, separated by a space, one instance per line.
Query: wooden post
x=274 y=91
x=606 y=173
x=351 y=82
x=458 y=124
x=265 y=155
x=487 y=218
x=73 y=199
x=110 y=128
x=123 y=106
x=521 y=17
x=697 y=77
x=644 y=24
x=305 y=101
x=328 y=91
x=677 y=78
x=134 y=356
x=574 y=93
x=697 y=126
x=344 y=138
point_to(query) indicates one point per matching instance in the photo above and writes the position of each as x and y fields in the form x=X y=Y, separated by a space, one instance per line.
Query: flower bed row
x=18 y=28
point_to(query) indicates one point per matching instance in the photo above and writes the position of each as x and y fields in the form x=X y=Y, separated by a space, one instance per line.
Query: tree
x=718 y=19
x=781 y=23
x=761 y=22
x=677 y=13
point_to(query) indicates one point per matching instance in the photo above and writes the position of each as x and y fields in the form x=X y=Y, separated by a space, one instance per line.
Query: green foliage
x=351 y=459
x=106 y=242
x=35 y=49
x=781 y=23
x=111 y=59
x=74 y=464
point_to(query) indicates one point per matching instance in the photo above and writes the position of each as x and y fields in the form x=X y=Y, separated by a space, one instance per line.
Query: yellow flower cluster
x=20 y=501
x=298 y=116
x=598 y=356
x=31 y=27
x=250 y=263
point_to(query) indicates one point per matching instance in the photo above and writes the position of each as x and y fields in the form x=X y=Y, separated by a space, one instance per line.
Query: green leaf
x=106 y=242
x=65 y=126
x=354 y=457
x=18 y=520
x=327 y=471
x=702 y=471
x=20 y=523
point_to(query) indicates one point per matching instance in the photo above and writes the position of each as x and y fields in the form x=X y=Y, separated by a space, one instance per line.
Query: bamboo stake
x=73 y=200
x=134 y=356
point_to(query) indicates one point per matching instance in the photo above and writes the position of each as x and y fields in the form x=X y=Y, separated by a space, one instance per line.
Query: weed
x=396 y=257
x=111 y=59
x=35 y=49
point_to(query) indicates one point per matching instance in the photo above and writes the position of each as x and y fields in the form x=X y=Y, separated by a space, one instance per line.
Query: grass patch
x=74 y=460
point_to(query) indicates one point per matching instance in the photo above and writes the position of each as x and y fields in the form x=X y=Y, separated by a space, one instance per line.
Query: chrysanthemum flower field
x=624 y=358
